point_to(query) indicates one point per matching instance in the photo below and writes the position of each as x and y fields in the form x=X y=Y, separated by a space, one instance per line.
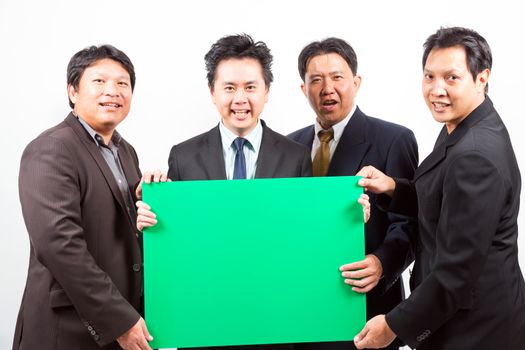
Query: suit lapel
x=269 y=155
x=307 y=137
x=352 y=147
x=444 y=140
x=211 y=159
x=93 y=150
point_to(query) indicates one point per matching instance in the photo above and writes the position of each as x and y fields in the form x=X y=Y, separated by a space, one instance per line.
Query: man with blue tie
x=241 y=146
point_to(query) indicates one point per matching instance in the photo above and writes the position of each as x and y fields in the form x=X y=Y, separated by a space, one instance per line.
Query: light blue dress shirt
x=251 y=149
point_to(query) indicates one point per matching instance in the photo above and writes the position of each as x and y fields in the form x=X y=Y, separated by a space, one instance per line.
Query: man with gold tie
x=342 y=141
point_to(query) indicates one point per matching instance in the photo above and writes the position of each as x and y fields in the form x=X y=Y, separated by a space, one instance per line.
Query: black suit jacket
x=469 y=290
x=201 y=158
x=84 y=281
x=392 y=149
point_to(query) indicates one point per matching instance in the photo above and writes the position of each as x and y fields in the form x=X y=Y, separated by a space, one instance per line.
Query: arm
x=50 y=196
x=473 y=195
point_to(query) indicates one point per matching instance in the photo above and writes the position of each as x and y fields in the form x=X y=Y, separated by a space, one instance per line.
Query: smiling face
x=330 y=86
x=239 y=93
x=103 y=96
x=449 y=90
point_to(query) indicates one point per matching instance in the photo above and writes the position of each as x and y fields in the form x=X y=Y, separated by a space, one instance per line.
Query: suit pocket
x=59 y=298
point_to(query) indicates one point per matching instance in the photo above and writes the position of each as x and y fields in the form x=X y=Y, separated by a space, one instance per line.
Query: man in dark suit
x=469 y=290
x=241 y=146
x=84 y=285
x=328 y=69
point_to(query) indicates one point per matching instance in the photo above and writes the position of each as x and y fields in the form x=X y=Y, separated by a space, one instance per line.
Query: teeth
x=441 y=105
x=110 y=104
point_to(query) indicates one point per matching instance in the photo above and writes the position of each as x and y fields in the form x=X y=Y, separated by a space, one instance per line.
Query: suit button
x=136 y=267
x=90 y=328
x=96 y=337
x=93 y=333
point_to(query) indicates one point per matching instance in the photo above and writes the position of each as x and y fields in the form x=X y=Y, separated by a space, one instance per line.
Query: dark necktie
x=322 y=156
x=239 y=169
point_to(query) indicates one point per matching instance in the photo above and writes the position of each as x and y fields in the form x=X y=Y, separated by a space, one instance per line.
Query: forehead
x=235 y=69
x=449 y=58
x=107 y=66
x=324 y=63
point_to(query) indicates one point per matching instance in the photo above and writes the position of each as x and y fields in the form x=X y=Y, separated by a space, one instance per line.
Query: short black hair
x=238 y=46
x=326 y=46
x=479 y=55
x=89 y=56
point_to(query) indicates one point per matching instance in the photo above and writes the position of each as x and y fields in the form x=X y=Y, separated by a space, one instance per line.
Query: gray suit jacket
x=84 y=282
x=201 y=157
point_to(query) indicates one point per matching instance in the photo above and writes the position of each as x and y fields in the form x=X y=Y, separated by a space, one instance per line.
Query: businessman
x=84 y=284
x=343 y=140
x=241 y=146
x=469 y=289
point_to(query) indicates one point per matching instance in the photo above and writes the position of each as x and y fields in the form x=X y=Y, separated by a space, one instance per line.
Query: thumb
x=146 y=332
x=359 y=338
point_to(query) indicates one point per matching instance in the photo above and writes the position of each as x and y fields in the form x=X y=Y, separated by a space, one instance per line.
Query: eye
x=123 y=83
x=452 y=77
x=428 y=76
x=229 y=88
x=315 y=80
x=98 y=80
x=338 y=77
x=251 y=87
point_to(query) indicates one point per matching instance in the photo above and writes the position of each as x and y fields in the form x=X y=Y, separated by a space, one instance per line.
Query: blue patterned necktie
x=239 y=169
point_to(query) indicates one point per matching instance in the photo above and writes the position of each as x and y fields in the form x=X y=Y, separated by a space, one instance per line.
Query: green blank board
x=252 y=261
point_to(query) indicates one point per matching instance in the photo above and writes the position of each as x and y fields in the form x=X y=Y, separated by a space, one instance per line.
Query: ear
x=357 y=81
x=72 y=93
x=212 y=93
x=266 y=94
x=303 y=88
x=482 y=79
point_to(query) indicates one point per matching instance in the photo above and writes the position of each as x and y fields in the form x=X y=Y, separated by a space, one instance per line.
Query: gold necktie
x=322 y=156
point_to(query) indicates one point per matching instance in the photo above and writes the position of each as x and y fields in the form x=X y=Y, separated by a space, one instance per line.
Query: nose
x=111 y=88
x=328 y=87
x=239 y=97
x=438 y=88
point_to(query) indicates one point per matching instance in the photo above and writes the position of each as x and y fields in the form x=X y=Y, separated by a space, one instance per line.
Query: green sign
x=234 y=262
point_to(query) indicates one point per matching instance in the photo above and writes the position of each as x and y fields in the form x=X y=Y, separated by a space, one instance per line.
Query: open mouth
x=110 y=104
x=328 y=105
x=241 y=113
x=440 y=106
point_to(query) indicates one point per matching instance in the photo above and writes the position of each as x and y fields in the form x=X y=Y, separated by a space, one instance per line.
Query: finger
x=146 y=332
x=164 y=177
x=156 y=175
x=354 y=266
x=146 y=213
x=357 y=274
x=141 y=204
x=146 y=177
x=358 y=339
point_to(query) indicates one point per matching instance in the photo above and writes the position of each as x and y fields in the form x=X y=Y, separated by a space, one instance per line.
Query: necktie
x=239 y=169
x=322 y=156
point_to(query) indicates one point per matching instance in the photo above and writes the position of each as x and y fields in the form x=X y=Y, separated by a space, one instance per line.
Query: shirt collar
x=339 y=127
x=115 y=139
x=254 y=137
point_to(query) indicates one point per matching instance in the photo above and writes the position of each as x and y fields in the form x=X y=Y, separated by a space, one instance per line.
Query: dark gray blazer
x=392 y=149
x=201 y=157
x=469 y=289
x=84 y=283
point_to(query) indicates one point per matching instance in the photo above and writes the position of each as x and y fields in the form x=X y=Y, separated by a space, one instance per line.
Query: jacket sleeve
x=50 y=196
x=397 y=250
x=473 y=197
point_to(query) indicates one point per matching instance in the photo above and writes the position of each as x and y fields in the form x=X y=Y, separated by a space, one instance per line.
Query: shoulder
x=296 y=135
x=199 y=140
x=286 y=143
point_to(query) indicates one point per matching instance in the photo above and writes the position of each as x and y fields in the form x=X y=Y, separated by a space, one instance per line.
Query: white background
x=167 y=40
